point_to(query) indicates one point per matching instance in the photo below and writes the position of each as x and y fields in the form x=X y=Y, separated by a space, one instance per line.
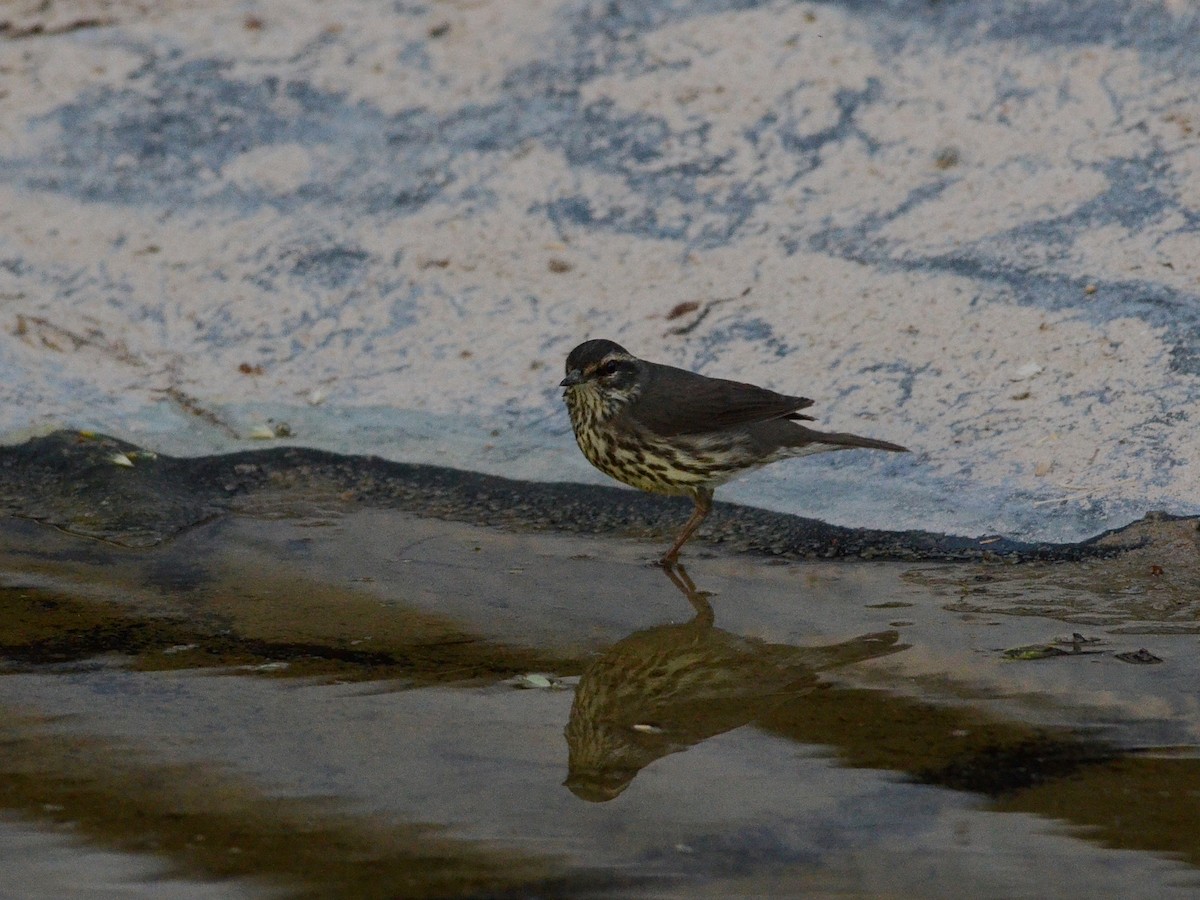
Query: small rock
x=1142 y=657
x=1027 y=371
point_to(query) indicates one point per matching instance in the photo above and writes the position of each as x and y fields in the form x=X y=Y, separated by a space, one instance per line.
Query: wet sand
x=315 y=691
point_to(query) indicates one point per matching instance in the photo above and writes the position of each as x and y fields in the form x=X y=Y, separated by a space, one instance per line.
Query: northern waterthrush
x=669 y=431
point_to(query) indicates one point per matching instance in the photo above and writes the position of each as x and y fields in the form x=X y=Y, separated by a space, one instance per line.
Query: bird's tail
x=840 y=440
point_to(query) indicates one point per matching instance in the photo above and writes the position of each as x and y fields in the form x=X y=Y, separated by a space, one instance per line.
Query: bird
x=665 y=689
x=670 y=431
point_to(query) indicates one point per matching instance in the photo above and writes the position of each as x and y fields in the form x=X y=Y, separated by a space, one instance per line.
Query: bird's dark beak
x=573 y=378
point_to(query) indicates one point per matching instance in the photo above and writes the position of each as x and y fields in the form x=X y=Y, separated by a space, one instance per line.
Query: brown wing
x=676 y=401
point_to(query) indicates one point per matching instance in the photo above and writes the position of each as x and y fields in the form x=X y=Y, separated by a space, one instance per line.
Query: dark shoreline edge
x=76 y=481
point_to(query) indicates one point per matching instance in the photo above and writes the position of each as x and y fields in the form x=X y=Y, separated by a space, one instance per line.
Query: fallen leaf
x=682 y=309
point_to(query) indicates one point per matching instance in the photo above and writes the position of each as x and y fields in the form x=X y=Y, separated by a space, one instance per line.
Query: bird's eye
x=609 y=367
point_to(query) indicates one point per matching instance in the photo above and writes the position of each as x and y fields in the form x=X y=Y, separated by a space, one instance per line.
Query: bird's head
x=602 y=373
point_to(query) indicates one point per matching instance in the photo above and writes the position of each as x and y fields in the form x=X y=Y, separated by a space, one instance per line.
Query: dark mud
x=102 y=487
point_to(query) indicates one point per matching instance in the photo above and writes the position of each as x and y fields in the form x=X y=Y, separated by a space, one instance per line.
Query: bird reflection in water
x=664 y=689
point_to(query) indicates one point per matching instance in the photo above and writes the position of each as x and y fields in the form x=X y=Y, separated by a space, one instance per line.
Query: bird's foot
x=656 y=562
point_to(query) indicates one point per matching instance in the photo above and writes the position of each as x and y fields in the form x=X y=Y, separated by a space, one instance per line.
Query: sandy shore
x=969 y=229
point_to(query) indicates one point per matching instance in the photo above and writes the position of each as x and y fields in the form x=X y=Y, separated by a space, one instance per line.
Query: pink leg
x=703 y=499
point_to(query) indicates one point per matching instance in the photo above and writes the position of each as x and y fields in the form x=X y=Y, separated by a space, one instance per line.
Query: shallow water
x=360 y=702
